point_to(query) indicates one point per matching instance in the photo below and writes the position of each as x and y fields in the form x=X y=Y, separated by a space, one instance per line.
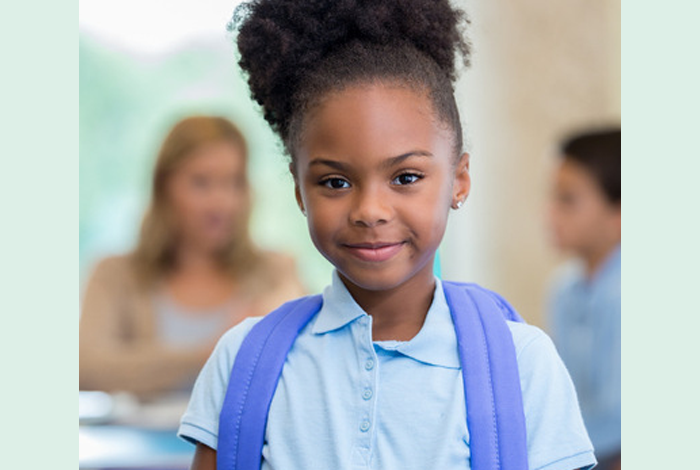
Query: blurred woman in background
x=151 y=318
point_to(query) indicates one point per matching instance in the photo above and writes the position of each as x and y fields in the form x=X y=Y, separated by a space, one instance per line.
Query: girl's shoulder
x=526 y=336
x=226 y=349
x=230 y=342
x=232 y=339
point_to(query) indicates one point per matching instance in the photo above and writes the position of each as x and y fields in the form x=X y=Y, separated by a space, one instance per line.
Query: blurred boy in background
x=585 y=300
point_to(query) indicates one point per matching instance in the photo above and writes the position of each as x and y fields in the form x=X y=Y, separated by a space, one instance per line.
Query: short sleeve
x=200 y=423
x=557 y=437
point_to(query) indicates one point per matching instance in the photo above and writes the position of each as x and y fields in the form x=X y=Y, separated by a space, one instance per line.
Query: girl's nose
x=370 y=208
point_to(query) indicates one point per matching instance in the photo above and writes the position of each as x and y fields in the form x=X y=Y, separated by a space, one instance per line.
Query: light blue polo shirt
x=346 y=402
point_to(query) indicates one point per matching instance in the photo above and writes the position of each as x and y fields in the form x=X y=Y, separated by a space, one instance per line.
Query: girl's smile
x=375 y=252
x=376 y=174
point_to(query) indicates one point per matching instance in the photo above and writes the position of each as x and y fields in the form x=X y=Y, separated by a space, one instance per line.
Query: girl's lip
x=374 y=252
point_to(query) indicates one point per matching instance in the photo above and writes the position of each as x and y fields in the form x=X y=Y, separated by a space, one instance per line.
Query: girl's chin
x=374 y=280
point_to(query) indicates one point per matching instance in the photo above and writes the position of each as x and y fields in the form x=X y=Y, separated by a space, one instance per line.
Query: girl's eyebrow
x=393 y=161
x=388 y=163
x=340 y=166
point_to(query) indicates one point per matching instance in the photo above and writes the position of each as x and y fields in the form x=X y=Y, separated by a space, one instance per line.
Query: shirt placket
x=366 y=396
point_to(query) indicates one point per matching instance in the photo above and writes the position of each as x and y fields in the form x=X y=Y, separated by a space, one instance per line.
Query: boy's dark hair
x=296 y=52
x=600 y=153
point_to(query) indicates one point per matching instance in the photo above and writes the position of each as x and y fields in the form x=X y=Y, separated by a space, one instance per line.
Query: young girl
x=361 y=93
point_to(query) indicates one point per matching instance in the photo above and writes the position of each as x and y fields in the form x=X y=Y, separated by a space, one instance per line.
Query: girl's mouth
x=374 y=252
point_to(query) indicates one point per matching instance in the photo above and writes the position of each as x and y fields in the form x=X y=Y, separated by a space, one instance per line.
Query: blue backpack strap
x=254 y=377
x=495 y=416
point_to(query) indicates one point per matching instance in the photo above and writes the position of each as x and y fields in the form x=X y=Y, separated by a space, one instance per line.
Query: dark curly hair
x=600 y=152
x=297 y=51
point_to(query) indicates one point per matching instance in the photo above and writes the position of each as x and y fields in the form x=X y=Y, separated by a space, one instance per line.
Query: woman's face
x=375 y=175
x=208 y=196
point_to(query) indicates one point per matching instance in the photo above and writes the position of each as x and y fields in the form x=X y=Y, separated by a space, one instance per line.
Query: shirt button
x=364 y=427
x=367 y=394
x=369 y=364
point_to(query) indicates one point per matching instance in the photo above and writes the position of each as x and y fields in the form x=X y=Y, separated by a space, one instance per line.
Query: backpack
x=495 y=416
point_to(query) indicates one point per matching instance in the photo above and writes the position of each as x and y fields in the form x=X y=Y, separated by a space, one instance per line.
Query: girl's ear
x=462 y=182
x=297 y=190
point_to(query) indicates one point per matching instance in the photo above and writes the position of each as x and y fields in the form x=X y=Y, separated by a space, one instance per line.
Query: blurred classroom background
x=539 y=70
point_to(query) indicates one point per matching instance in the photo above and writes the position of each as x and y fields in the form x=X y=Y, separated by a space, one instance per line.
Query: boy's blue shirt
x=344 y=401
x=586 y=326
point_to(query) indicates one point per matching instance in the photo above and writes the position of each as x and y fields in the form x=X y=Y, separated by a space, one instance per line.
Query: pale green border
x=38 y=203
x=39 y=234
x=661 y=232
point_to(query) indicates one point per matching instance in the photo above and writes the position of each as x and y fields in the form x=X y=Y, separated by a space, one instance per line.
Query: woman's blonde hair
x=155 y=251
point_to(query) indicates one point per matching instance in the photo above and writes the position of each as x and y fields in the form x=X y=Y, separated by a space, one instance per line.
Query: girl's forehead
x=373 y=117
x=376 y=96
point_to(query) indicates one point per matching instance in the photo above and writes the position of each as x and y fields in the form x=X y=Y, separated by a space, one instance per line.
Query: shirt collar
x=435 y=343
x=338 y=309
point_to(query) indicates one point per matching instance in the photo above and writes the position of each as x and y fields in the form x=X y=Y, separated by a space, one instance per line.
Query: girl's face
x=375 y=174
x=583 y=221
x=208 y=196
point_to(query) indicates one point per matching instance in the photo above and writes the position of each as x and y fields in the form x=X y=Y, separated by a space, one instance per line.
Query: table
x=127 y=447
x=117 y=431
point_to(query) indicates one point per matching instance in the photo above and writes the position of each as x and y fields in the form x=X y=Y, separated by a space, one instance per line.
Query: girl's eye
x=335 y=183
x=406 y=178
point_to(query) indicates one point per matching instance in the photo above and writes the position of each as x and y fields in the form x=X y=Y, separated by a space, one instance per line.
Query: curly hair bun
x=281 y=41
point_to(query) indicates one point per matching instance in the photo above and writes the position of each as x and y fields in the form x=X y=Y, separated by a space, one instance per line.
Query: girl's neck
x=398 y=313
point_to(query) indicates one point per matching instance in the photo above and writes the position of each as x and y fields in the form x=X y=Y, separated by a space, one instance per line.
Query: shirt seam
x=185 y=426
x=569 y=457
x=528 y=344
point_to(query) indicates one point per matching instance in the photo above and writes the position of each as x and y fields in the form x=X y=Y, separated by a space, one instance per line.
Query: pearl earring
x=457 y=204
